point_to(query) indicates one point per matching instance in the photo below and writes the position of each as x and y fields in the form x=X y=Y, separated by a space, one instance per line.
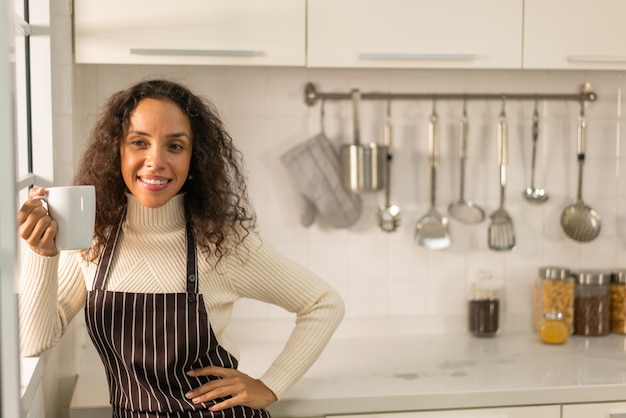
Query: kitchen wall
x=388 y=276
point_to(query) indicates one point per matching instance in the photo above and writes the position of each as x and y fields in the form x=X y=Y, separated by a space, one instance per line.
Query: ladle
x=579 y=221
x=431 y=230
x=388 y=214
x=534 y=194
x=465 y=210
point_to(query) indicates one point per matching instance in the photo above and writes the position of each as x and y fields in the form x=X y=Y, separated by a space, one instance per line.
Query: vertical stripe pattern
x=148 y=341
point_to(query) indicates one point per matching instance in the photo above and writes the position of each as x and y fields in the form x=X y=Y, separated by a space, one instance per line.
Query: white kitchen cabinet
x=235 y=32
x=548 y=411
x=595 y=410
x=415 y=33
x=574 y=34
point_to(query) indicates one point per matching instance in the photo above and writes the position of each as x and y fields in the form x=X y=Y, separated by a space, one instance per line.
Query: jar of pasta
x=618 y=301
x=592 y=314
x=554 y=292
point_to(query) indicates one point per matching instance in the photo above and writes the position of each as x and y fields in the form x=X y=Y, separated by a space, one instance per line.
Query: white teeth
x=154 y=181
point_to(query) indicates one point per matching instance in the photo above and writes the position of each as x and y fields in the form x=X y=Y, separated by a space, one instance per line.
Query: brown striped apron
x=147 y=341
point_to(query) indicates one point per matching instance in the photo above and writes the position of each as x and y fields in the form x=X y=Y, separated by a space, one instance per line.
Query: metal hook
x=323 y=102
x=465 y=107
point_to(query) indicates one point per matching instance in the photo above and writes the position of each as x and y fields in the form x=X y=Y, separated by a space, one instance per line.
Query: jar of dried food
x=553 y=329
x=554 y=291
x=484 y=306
x=592 y=303
x=618 y=301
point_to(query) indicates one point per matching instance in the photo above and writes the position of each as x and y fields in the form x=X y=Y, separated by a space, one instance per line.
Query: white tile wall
x=387 y=275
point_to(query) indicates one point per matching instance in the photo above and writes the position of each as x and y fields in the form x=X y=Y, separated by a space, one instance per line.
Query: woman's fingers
x=237 y=387
x=35 y=225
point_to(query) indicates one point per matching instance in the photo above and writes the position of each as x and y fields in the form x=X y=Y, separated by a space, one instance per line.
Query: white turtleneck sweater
x=150 y=258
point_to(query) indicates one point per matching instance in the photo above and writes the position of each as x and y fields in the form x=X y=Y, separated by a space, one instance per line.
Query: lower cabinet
x=596 y=410
x=548 y=411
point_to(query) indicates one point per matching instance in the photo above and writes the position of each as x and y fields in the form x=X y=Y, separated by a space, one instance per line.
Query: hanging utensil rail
x=585 y=95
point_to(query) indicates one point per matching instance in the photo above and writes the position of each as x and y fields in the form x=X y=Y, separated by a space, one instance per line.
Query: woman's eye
x=137 y=142
x=176 y=147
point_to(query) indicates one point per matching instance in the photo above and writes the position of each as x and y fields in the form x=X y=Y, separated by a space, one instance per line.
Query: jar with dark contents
x=484 y=306
x=592 y=303
x=618 y=301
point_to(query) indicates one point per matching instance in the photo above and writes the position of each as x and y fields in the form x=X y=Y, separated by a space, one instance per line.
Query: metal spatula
x=431 y=230
x=501 y=232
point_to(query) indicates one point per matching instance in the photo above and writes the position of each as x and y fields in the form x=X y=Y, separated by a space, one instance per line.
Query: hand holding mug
x=63 y=221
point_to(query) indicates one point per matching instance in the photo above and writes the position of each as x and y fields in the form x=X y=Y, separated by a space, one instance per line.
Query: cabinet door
x=574 y=34
x=548 y=411
x=595 y=410
x=234 y=32
x=415 y=33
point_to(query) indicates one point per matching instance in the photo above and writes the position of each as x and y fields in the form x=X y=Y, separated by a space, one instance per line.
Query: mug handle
x=44 y=199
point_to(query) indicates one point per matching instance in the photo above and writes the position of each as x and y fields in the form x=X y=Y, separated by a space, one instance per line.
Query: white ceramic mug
x=74 y=210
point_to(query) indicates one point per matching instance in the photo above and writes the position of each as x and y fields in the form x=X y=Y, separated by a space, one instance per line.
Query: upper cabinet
x=235 y=32
x=574 y=34
x=415 y=33
x=488 y=34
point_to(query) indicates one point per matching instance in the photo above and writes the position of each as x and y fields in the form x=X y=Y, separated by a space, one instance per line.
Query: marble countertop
x=455 y=371
x=423 y=372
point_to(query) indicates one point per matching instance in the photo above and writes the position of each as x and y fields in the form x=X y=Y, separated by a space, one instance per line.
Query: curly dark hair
x=217 y=206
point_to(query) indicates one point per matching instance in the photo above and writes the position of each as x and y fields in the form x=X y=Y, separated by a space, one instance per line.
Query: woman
x=168 y=181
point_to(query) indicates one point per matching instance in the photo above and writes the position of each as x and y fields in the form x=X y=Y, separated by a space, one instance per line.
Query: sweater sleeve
x=52 y=291
x=265 y=275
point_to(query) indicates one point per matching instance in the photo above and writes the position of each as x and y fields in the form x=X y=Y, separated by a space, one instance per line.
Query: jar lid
x=619 y=276
x=554 y=273
x=553 y=315
x=593 y=277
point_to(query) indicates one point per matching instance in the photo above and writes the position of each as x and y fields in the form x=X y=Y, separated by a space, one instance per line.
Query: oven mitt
x=315 y=173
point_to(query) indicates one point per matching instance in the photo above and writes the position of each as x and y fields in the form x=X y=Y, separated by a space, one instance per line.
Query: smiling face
x=156 y=152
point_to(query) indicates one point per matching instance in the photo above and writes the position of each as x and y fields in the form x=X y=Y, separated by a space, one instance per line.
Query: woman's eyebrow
x=172 y=135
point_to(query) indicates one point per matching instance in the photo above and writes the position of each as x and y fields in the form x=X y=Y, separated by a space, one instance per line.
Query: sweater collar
x=167 y=217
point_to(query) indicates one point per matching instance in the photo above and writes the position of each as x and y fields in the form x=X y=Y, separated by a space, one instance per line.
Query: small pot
x=363 y=166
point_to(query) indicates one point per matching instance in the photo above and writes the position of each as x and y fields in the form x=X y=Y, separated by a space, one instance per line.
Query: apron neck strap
x=192 y=264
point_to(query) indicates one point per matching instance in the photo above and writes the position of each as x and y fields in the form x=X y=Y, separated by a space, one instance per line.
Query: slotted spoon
x=579 y=221
x=431 y=230
x=501 y=231
x=463 y=210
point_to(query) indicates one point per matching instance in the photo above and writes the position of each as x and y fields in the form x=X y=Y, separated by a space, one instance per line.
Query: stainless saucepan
x=363 y=165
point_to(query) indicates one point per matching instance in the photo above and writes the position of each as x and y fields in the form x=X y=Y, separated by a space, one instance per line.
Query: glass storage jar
x=618 y=301
x=484 y=306
x=553 y=329
x=592 y=303
x=554 y=291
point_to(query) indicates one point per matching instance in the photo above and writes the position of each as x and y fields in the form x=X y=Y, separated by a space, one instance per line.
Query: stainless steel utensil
x=431 y=230
x=579 y=221
x=533 y=194
x=465 y=210
x=501 y=231
x=388 y=214
x=363 y=165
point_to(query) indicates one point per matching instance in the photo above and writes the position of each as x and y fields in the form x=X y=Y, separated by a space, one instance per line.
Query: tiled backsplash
x=388 y=275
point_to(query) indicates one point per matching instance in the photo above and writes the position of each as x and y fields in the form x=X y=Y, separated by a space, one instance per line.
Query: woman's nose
x=153 y=157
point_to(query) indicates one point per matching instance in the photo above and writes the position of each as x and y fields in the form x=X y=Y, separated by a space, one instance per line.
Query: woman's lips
x=154 y=184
